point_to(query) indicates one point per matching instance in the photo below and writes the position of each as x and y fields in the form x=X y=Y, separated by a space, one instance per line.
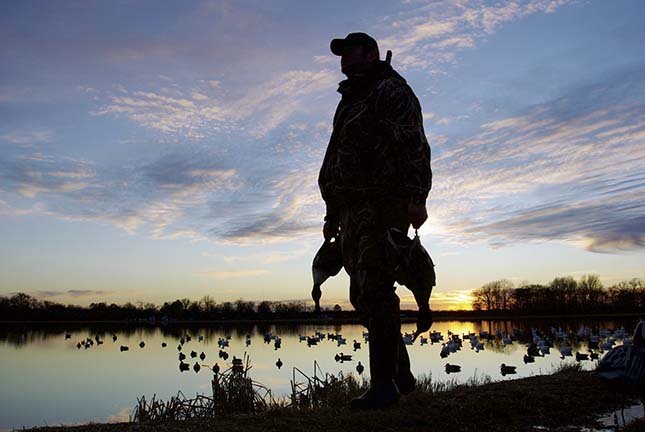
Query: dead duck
x=452 y=368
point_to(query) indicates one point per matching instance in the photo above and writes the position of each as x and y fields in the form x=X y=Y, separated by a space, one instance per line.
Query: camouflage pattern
x=377 y=161
x=371 y=291
x=378 y=145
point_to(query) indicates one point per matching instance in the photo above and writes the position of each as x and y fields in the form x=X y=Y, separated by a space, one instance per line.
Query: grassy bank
x=568 y=397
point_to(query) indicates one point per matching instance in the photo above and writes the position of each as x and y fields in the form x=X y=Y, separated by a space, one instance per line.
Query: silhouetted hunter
x=375 y=175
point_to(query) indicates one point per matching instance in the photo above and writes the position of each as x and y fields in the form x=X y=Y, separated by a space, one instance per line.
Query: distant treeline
x=564 y=295
x=23 y=307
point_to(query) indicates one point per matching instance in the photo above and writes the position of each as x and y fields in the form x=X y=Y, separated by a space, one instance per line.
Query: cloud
x=428 y=34
x=227 y=274
x=71 y=293
x=27 y=138
x=37 y=174
x=199 y=113
x=569 y=169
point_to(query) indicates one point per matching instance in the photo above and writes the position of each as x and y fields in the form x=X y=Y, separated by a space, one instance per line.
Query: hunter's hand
x=330 y=229
x=417 y=214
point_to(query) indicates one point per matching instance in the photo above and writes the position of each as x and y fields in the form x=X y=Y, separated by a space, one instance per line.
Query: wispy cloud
x=205 y=111
x=569 y=169
x=70 y=293
x=227 y=274
x=27 y=138
x=429 y=34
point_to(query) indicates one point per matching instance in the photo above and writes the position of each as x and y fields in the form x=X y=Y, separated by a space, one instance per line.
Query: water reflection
x=47 y=378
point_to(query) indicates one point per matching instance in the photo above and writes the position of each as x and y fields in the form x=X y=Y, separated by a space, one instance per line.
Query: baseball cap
x=357 y=38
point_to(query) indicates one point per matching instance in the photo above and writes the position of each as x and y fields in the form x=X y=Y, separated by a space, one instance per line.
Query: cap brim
x=337 y=46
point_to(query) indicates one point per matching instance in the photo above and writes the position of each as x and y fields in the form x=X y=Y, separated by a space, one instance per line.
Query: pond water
x=47 y=380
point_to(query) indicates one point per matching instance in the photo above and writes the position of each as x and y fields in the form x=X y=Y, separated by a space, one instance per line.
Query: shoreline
x=407 y=317
x=565 y=398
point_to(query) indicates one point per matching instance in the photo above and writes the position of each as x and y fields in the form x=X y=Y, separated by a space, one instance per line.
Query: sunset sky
x=157 y=150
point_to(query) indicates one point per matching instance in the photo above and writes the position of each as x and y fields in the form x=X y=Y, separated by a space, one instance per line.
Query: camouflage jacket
x=378 y=146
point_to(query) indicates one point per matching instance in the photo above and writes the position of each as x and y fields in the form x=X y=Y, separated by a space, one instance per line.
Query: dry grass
x=567 y=397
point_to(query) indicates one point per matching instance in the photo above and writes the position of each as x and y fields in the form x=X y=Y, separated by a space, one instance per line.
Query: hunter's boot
x=383 y=346
x=404 y=378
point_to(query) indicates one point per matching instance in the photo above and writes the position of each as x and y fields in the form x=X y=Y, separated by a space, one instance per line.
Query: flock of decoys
x=539 y=344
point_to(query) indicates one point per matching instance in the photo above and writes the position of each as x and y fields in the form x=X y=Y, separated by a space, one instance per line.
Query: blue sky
x=152 y=151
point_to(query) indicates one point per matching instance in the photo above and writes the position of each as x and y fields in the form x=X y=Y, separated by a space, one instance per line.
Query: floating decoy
x=506 y=370
x=68 y=336
x=202 y=356
x=114 y=338
x=444 y=351
x=142 y=344
x=529 y=359
x=360 y=368
x=342 y=357
x=188 y=338
x=225 y=355
x=452 y=368
x=278 y=363
x=357 y=345
x=200 y=338
x=533 y=350
x=99 y=342
x=565 y=351
x=216 y=368
x=182 y=356
x=78 y=345
x=178 y=347
x=580 y=356
x=124 y=348
x=163 y=345
x=593 y=355
x=625 y=364
x=183 y=366
x=193 y=354
x=196 y=367
x=182 y=340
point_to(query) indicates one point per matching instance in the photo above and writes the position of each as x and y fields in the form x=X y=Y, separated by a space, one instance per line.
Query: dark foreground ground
x=567 y=400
